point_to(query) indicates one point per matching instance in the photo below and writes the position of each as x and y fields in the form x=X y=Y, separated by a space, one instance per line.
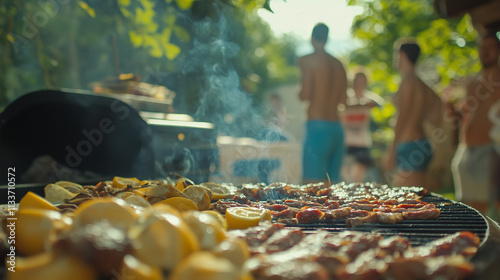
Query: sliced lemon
x=122 y=182
x=134 y=199
x=34 y=201
x=180 y=186
x=33 y=230
x=245 y=217
x=70 y=186
x=164 y=242
x=165 y=208
x=218 y=191
x=233 y=249
x=49 y=266
x=204 y=265
x=206 y=228
x=115 y=210
x=199 y=195
x=180 y=203
x=160 y=190
x=57 y=194
x=219 y=217
x=134 y=269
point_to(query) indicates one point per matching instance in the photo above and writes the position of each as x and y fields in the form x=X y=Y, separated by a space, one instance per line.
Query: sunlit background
x=228 y=60
x=298 y=17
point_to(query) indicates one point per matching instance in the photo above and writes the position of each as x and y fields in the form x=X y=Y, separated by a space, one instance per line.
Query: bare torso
x=481 y=94
x=422 y=108
x=324 y=85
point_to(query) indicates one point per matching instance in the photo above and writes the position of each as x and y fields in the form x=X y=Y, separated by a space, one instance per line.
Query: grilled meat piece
x=221 y=206
x=258 y=235
x=359 y=255
x=460 y=243
x=291 y=270
x=357 y=221
x=337 y=214
x=285 y=214
x=389 y=218
x=282 y=240
x=309 y=215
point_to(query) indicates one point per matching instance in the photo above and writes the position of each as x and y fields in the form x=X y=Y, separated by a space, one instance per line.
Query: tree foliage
x=70 y=44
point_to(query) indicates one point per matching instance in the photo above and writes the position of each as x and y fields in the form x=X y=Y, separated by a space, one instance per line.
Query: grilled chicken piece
x=357 y=221
x=310 y=215
x=256 y=236
x=291 y=212
x=337 y=214
x=291 y=270
x=282 y=240
x=460 y=243
x=389 y=218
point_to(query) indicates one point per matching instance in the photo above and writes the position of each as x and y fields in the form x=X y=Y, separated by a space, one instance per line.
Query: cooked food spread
x=316 y=203
x=174 y=229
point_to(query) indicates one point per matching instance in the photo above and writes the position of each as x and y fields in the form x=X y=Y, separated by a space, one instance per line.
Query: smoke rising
x=222 y=100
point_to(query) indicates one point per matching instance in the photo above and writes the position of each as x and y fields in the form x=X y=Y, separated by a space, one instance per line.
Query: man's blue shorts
x=323 y=150
x=414 y=155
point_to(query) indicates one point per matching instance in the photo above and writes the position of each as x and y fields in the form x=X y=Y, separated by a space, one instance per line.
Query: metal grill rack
x=454 y=217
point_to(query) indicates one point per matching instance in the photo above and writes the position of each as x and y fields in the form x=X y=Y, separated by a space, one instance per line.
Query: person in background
x=494 y=209
x=472 y=160
x=324 y=85
x=355 y=116
x=417 y=106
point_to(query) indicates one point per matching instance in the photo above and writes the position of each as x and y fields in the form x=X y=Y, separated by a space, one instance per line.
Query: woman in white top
x=355 y=118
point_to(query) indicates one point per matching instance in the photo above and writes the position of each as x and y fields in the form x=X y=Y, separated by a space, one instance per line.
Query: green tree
x=56 y=44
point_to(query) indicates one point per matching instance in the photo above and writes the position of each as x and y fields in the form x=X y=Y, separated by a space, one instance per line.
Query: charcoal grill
x=454 y=217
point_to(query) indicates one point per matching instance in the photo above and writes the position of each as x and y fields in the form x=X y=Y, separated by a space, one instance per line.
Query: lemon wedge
x=199 y=195
x=70 y=186
x=220 y=218
x=34 y=201
x=48 y=266
x=206 y=227
x=115 y=210
x=163 y=241
x=233 y=249
x=218 y=191
x=180 y=203
x=57 y=194
x=121 y=182
x=134 y=269
x=204 y=265
x=245 y=217
x=34 y=228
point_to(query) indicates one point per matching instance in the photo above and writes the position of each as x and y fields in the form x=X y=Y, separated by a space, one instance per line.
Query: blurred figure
x=355 y=117
x=471 y=164
x=417 y=106
x=494 y=116
x=324 y=85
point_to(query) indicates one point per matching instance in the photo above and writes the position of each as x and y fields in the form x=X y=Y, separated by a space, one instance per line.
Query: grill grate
x=454 y=217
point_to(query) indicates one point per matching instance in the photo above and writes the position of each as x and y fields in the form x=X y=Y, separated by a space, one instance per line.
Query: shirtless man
x=471 y=164
x=324 y=85
x=417 y=105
